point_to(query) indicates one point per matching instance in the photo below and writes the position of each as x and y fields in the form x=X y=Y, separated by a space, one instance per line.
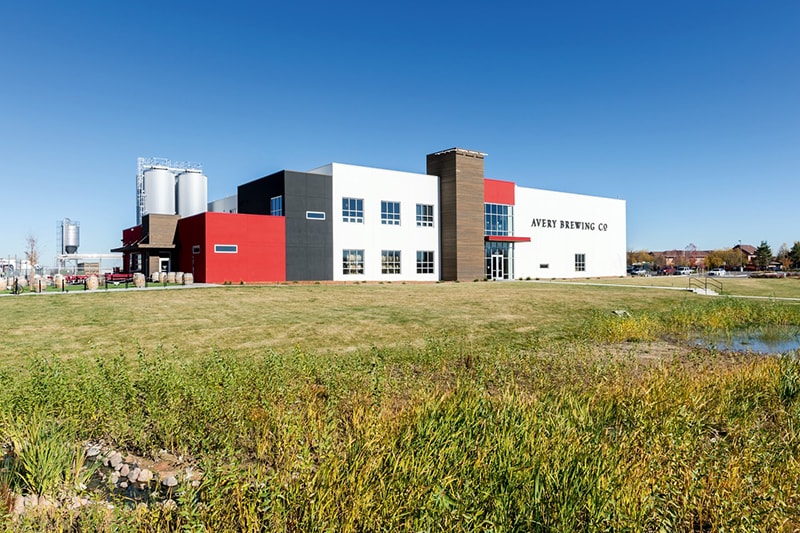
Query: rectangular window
x=498 y=219
x=544 y=265
x=276 y=206
x=353 y=210
x=352 y=261
x=315 y=215
x=195 y=249
x=424 y=215
x=580 y=262
x=390 y=213
x=424 y=262
x=390 y=261
x=226 y=248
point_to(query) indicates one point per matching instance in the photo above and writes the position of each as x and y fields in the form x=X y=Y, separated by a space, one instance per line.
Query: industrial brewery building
x=350 y=223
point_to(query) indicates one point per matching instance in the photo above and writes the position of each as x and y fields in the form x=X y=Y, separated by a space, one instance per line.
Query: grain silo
x=191 y=193
x=159 y=191
x=165 y=187
x=69 y=236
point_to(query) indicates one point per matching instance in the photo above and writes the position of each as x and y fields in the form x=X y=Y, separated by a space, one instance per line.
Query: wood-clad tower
x=461 y=212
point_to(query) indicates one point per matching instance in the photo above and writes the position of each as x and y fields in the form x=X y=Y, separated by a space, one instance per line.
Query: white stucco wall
x=374 y=185
x=561 y=225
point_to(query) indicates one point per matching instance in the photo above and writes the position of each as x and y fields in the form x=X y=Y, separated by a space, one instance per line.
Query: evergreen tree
x=794 y=255
x=763 y=255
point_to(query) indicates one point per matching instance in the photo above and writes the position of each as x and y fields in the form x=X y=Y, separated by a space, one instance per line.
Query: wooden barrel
x=188 y=278
x=22 y=282
x=179 y=277
x=39 y=284
x=170 y=277
x=139 y=280
x=92 y=282
x=3 y=284
x=155 y=277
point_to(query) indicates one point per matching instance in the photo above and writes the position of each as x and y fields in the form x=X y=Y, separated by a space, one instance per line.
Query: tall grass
x=725 y=315
x=444 y=434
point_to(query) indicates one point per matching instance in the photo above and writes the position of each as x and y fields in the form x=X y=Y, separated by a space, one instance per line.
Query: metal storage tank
x=71 y=235
x=159 y=191
x=191 y=192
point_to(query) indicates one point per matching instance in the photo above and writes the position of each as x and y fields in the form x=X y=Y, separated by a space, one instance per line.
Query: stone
x=170 y=505
x=123 y=485
x=93 y=451
x=145 y=476
x=125 y=470
x=33 y=500
x=169 y=481
x=133 y=475
x=114 y=478
x=115 y=460
x=19 y=504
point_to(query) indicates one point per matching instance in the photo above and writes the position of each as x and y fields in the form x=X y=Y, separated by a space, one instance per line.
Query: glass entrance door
x=498 y=267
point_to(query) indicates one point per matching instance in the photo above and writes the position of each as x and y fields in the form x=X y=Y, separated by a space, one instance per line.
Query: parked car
x=640 y=272
x=683 y=271
x=716 y=272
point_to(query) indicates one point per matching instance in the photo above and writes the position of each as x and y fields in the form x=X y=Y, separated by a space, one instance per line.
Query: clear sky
x=689 y=110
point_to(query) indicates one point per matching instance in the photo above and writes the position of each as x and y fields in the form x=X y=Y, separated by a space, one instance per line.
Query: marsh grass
x=476 y=422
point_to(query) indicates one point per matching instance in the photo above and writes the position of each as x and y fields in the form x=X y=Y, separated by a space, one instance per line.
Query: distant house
x=692 y=258
x=748 y=253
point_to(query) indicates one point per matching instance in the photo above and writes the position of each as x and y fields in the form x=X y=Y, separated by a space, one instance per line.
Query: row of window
x=353 y=211
x=353 y=262
x=498 y=219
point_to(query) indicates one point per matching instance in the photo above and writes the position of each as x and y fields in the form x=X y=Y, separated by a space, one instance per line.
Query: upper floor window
x=498 y=219
x=353 y=210
x=390 y=213
x=424 y=215
x=276 y=206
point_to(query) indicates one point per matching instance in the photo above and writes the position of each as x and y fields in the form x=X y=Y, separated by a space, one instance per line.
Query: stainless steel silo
x=159 y=191
x=191 y=192
x=71 y=235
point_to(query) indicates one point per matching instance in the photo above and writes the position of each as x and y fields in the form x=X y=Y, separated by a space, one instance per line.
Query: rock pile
x=138 y=480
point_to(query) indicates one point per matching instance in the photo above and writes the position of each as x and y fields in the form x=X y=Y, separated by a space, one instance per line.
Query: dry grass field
x=323 y=318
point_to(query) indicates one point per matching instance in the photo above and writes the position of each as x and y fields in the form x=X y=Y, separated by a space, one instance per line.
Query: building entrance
x=498 y=270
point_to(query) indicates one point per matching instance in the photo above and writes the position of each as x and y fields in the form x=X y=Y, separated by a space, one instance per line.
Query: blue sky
x=688 y=110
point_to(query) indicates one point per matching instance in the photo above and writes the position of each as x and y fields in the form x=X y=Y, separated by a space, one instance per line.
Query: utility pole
x=741 y=262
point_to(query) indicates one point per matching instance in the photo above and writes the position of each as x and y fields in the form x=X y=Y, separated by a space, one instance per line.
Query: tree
x=32 y=250
x=763 y=255
x=783 y=256
x=639 y=256
x=794 y=255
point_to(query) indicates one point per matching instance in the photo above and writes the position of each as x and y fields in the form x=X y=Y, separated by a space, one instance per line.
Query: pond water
x=767 y=341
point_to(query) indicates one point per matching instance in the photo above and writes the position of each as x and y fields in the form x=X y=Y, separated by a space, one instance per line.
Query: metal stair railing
x=698 y=282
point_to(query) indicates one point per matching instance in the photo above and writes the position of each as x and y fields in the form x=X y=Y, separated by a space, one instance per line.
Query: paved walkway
x=663 y=288
x=149 y=287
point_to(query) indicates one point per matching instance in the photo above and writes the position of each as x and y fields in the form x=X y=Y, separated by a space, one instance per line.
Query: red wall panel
x=260 y=242
x=498 y=192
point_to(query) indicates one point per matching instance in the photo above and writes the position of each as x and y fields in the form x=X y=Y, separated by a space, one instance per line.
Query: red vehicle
x=119 y=277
